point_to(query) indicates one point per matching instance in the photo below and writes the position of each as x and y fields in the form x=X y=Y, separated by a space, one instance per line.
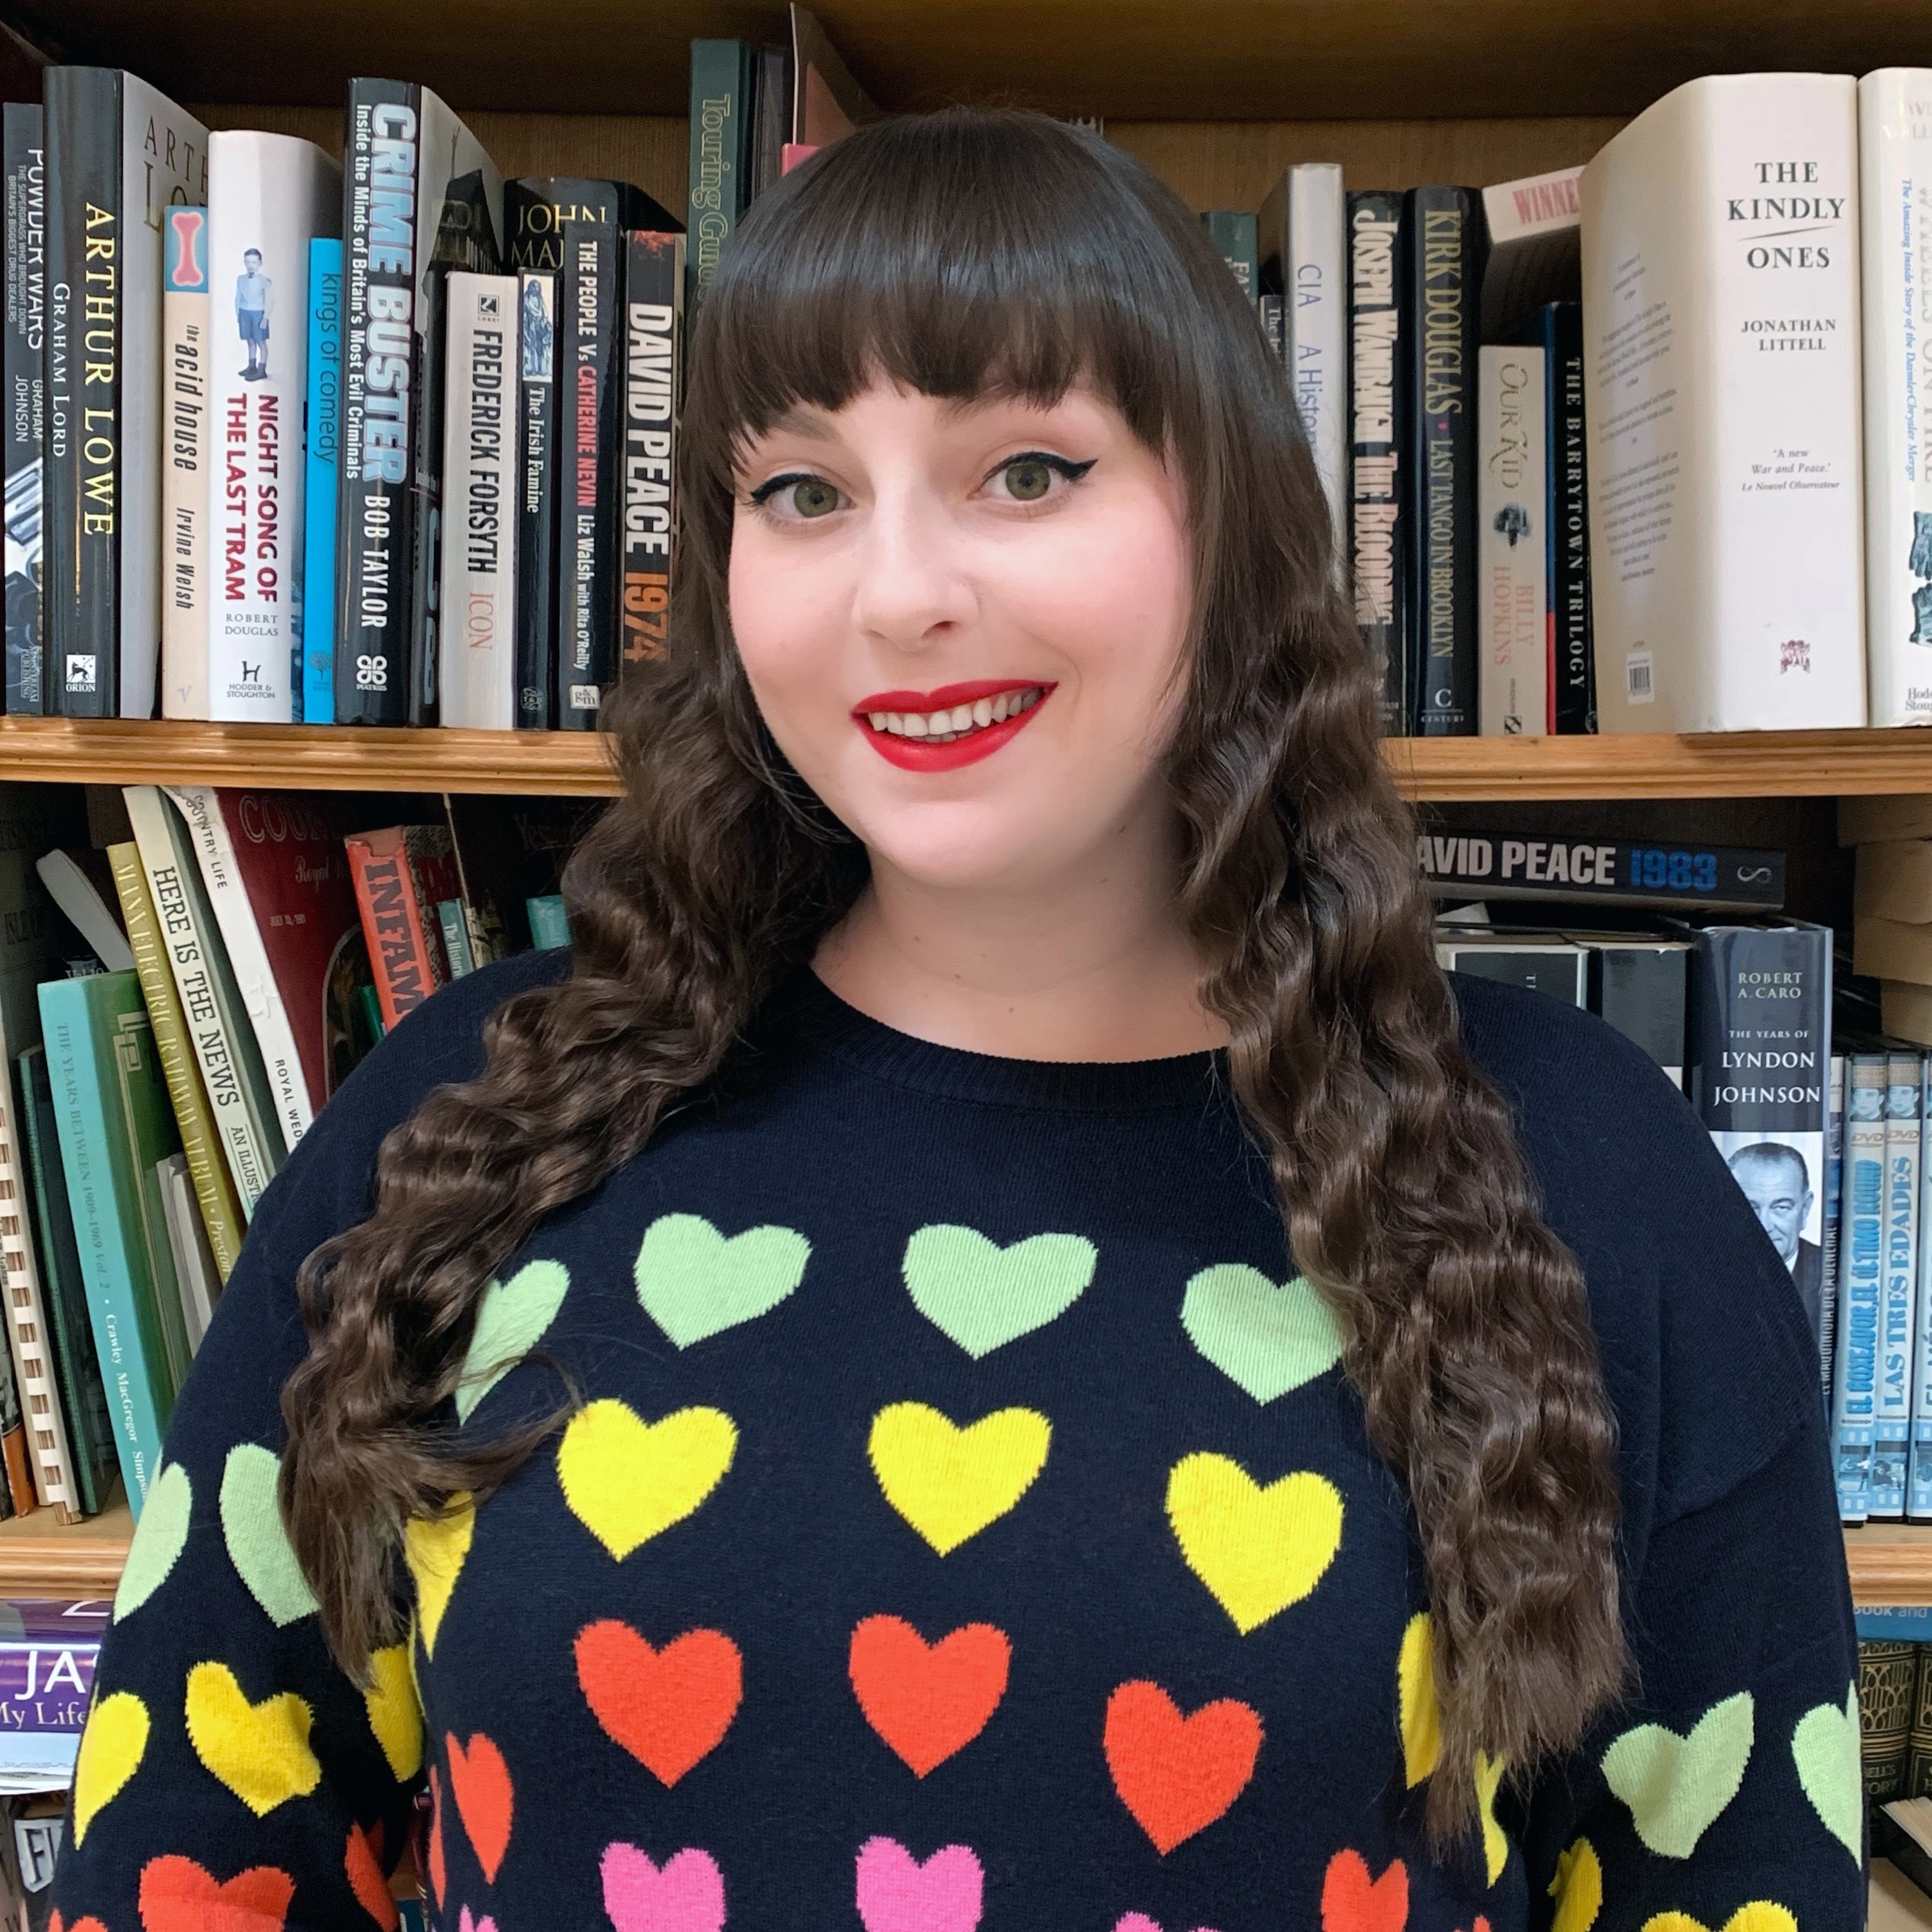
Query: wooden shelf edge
x=1889 y=1564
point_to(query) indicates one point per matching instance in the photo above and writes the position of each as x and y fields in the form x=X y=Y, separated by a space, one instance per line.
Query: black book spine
x=1378 y=532
x=1442 y=284
x=654 y=329
x=381 y=397
x=23 y=365
x=426 y=503
x=589 y=368
x=1575 y=666
x=83 y=126
x=537 y=501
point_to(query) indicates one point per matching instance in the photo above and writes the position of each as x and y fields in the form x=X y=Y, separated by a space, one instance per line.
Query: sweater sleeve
x=226 y=1756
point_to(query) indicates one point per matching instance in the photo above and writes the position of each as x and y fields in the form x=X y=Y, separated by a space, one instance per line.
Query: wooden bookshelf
x=1739 y=765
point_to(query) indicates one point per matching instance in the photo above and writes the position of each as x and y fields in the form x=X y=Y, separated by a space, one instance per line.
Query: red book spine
x=400 y=874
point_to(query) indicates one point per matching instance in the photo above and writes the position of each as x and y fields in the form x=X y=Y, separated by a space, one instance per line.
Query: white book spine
x=1891 y=1419
x=1721 y=352
x=1314 y=324
x=1895 y=210
x=247 y=957
x=1861 y=1268
x=1512 y=573
x=269 y=194
x=184 y=499
x=479 y=587
x=164 y=163
x=29 y=1333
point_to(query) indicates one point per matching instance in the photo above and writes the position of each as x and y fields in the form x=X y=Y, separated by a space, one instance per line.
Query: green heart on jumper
x=1675 y=1786
x=1265 y=1337
x=159 y=1538
x=257 y=1544
x=1825 y=1748
x=982 y=1295
x=509 y=1323
x=694 y=1283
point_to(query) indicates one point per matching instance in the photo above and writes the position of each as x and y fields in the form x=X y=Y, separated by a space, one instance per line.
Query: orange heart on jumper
x=90 y=1924
x=480 y=1782
x=362 y=1862
x=928 y=1700
x=1350 y=1903
x=177 y=1895
x=1177 y=1774
x=438 y=1872
x=668 y=1707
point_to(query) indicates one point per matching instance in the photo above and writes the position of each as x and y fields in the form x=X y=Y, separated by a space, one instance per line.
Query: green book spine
x=90 y=1427
x=720 y=158
x=455 y=937
x=1238 y=238
x=549 y=925
x=111 y=1108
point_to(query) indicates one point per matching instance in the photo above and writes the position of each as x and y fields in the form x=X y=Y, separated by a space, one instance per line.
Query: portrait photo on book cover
x=1778 y=1173
x=253 y=298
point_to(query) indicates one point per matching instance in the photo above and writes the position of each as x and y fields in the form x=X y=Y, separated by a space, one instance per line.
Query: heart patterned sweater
x=965 y=1522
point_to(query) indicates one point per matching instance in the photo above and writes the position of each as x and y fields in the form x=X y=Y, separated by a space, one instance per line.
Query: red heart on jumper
x=1177 y=1774
x=925 y=1701
x=1351 y=1904
x=480 y=1782
x=363 y=1864
x=177 y=1895
x=668 y=1707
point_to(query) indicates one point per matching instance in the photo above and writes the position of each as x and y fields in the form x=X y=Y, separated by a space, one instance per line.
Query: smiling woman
x=1011 y=1352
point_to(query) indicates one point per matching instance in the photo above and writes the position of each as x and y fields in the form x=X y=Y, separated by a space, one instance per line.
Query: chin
x=960 y=851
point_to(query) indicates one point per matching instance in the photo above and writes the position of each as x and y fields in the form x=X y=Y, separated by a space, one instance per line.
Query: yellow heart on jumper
x=1576 y=1888
x=1495 y=1840
x=112 y=1747
x=627 y=1480
x=1257 y=1550
x=1761 y=1915
x=949 y=1482
x=260 y=1751
x=435 y=1550
x=1421 y=1719
x=394 y=1714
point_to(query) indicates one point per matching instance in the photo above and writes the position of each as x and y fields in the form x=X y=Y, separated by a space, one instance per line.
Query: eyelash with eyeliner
x=1060 y=464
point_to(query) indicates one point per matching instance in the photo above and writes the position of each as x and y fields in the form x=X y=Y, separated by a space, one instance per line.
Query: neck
x=1089 y=965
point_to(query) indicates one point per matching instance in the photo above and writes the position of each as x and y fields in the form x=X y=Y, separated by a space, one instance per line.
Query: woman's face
x=962 y=623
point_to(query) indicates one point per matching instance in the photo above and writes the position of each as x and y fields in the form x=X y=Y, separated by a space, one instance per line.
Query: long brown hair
x=955 y=254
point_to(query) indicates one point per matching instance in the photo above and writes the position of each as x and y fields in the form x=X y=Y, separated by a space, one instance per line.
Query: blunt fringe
x=955 y=254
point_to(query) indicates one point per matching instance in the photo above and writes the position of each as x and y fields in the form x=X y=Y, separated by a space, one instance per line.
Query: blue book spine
x=98 y=1192
x=1861 y=1253
x=316 y=689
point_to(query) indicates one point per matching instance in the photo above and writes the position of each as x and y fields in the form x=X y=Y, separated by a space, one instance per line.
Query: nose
x=912 y=590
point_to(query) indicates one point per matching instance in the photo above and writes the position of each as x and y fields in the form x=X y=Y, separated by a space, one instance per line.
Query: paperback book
x=23 y=157
x=185 y=493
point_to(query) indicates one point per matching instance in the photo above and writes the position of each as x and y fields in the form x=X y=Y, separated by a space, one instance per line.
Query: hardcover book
x=23 y=367
x=1303 y=240
x=1892 y=1423
x=1378 y=433
x=1513 y=684
x=1557 y=331
x=536 y=594
x=1640 y=872
x=1834 y=1223
x=186 y=500
x=402 y=874
x=720 y=173
x=417 y=186
x=826 y=101
x=269 y=196
x=1535 y=230
x=1233 y=233
x=118 y=155
x=653 y=346
x=323 y=466
x=1862 y=1245
x=1721 y=326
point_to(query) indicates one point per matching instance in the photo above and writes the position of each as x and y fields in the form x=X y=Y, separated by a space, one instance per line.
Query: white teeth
x=983 y=711
x=943 y=727
x=877 y=720
x=913 y=725
x=961 y=717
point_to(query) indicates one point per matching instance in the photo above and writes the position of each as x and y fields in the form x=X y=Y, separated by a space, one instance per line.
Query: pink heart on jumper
x=896 y=1893
x=466 y=1923
x=685 y=1895
x=1139 y=1922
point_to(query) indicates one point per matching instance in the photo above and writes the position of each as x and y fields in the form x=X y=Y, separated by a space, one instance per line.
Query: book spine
x=35 y=1438
x=653 y=346
x=90 y=1427
x=479 y=548
x=185 y=475
x=220 y=1212
x=1892 y=1423
x=1895 y=211
x=100 y=1192
x=23 y=365
x=1919 y=1467
x=425 y=504
x=589 y=374
x=83 y=107
x=1833 y=1213
x=454 y=928
x=1315 y=324
x=324 y=472
x=550 y=924
x=1443 y=271
x=1510 y=684
x=247 y=957
x=721 y=151
x=1269 y=307
x=1233 y=234
x=399 y=922
x=1378 y=536
x=536 y=605
x=1855 y=1381
x=1571 y=654
x=381 y=385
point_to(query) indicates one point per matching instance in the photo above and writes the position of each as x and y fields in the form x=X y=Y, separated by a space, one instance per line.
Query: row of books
x=1895 y=1716
x=186 y=976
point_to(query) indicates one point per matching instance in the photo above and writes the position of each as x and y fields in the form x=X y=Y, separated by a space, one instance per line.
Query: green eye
x=812 y=498
x=1027 y=481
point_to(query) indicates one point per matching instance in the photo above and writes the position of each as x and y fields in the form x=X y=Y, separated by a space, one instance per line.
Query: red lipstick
x=923 y=754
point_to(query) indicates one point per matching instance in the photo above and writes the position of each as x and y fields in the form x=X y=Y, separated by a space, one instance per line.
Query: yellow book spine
x=220 y=1211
